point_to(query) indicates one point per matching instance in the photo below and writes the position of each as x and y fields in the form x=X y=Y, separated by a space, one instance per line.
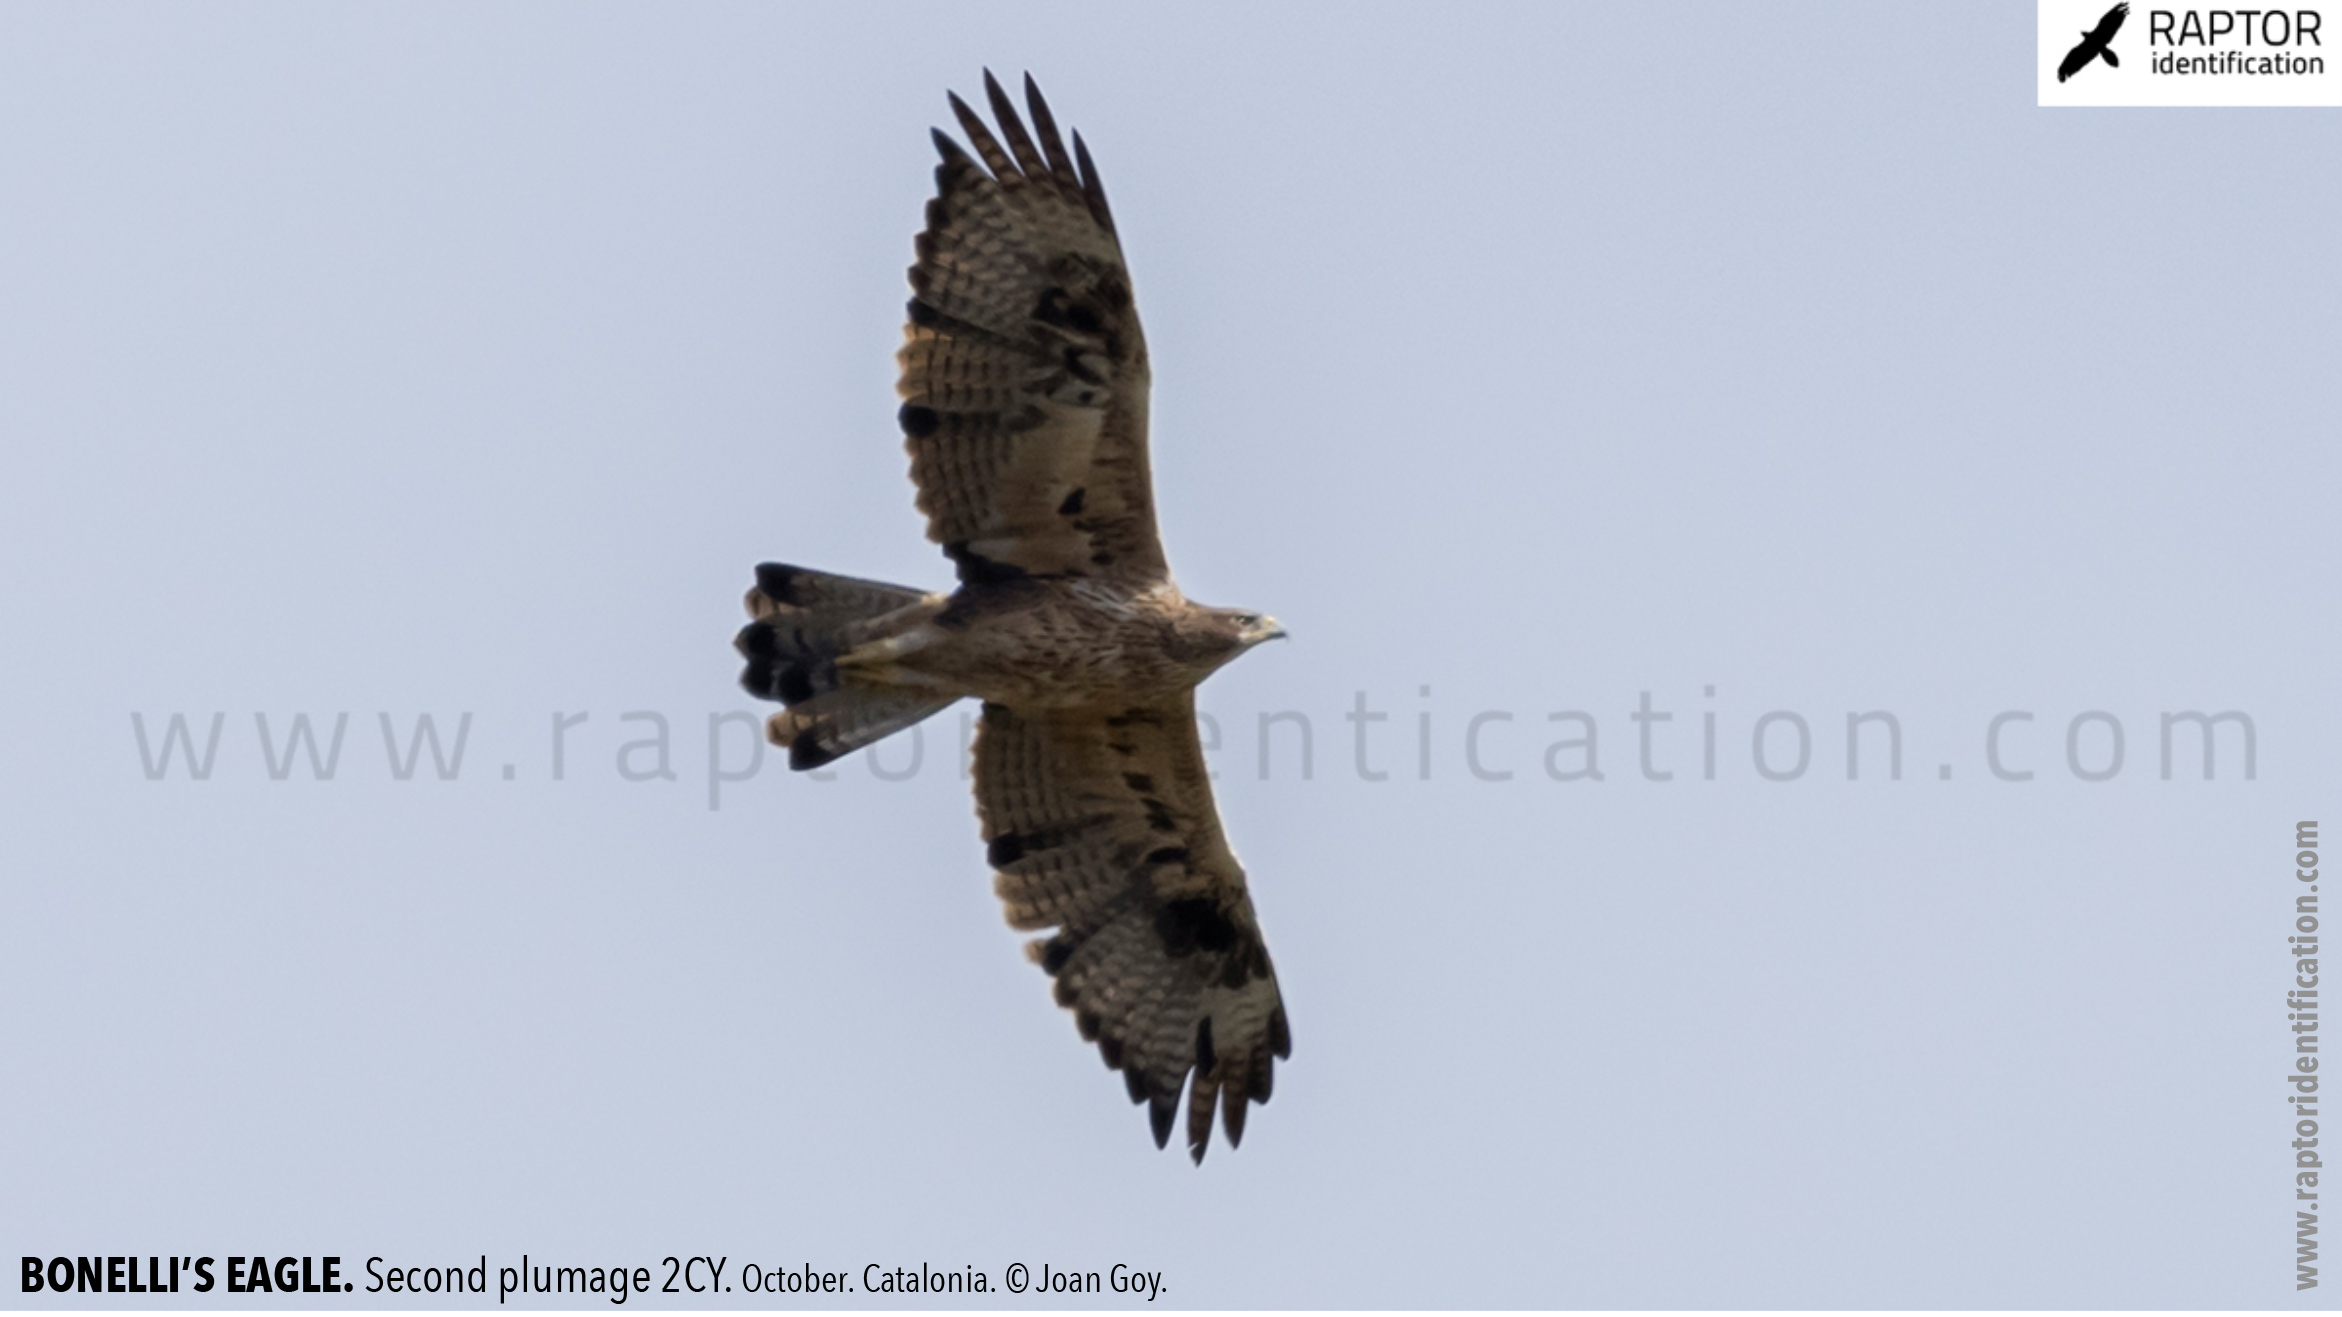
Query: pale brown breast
x=1038 y=643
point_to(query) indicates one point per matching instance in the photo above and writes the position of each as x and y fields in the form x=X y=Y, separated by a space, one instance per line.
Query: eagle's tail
x=805 y=621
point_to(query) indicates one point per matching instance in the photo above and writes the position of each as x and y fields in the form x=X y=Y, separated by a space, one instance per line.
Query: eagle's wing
x=2110 y=24
x=1101 y=824
x=1024 y=376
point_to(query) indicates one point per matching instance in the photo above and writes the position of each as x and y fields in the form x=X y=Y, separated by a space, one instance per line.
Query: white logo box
x=2175 y=54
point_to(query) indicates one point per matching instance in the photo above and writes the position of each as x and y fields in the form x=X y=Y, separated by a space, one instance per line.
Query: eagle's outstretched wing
x=1024 y=375
x=1101 y=824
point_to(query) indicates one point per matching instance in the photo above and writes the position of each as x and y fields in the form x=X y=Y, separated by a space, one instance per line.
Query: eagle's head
x=1210 y=637
x=1253 y=628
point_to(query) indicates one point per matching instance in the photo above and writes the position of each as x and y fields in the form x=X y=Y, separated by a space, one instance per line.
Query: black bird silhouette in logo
x=2095 y=43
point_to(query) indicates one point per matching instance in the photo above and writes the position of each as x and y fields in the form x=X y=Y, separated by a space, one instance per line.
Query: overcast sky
x=1768 y=364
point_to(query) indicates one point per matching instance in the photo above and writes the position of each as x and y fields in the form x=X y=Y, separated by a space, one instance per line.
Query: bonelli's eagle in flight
x=1024 y=386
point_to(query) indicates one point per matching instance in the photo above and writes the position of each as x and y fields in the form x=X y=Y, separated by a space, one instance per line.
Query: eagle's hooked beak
x=1263 y=628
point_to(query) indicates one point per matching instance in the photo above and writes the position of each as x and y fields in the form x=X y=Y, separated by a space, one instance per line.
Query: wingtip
x=1045 y=128
x=1161 y=1113
x=1203 y=1101
x=1093 y=191
x=1003 y=108
x=1232 y=1110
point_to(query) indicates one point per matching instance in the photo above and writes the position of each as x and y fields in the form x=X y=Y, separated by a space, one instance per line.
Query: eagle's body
x=1036 y=643
x=1024 y=379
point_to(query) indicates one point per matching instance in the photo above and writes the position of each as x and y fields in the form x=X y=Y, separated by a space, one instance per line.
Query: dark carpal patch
x=1060 y=308
x=1072 y=506
x=1193 y=924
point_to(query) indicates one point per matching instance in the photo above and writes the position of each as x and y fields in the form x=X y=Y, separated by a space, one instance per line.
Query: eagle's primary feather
x=1024 y=374
x=1024 y=386
x=1103 y=827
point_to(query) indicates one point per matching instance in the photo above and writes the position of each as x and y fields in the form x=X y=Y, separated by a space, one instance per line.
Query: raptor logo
x=2095 y=43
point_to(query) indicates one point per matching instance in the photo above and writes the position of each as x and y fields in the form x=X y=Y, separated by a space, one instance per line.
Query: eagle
x=1024 y=387
x=2095 y=43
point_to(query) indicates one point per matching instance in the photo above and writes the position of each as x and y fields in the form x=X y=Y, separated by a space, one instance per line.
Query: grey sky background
x=465 y=359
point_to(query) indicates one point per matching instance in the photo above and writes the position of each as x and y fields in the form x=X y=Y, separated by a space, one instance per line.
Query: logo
x=2095 y=44
x=2184 y=54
